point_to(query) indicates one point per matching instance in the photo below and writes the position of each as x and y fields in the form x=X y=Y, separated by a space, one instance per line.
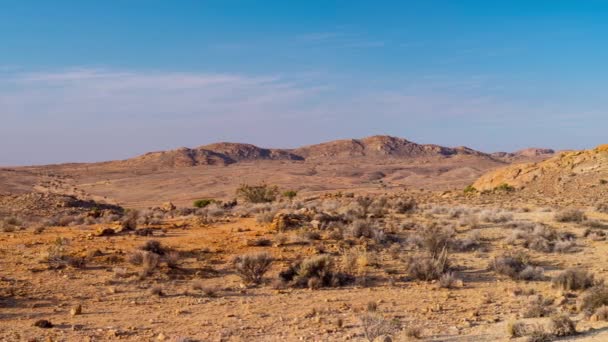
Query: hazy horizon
x=84 y=82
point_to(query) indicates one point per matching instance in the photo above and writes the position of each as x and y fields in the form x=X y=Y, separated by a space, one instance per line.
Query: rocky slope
x=579 y=172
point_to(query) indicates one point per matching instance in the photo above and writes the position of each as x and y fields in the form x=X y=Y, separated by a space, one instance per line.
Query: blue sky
x=99 y=80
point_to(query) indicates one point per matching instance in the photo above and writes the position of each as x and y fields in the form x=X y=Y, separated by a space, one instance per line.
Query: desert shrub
x=537 y=333
x=533 y=332
x=449 y=280
x=404 y=205
x=573 y=279
x=562 y=325
x=208 y=291
x=149 y=263
x=57 y=255
x=171 y=259
x=364 y=203
x=496 y=216
x=259 y=242
x=434 y=239
x=356 y=261
x=601 y=313
x=429 y=268
x=469 y=243
x=602 y=208
x=542 y=238
x=129 y=220
x=262 y=193
x=516 y=266
x=516 y=329
x=538 y=307
x=252 y=267
x=570 y=215
x=361 y=228
x=153 y=246
x=202 y=203
x=594 y=234
x=593 y=298
x=290 y=194
x=265 y=217
x=470 y=189
x=375 y=325
x=414 y=333
x=318 y=271
x=504 y=187
x=157 y=291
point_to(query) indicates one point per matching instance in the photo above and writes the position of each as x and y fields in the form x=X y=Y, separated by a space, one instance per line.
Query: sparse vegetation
x=202 y=203
x=570 y=215
x=252 y=267
x=262 y=193
x=573 y=280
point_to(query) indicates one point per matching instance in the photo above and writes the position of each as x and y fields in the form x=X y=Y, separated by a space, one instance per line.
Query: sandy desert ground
x=413 y=254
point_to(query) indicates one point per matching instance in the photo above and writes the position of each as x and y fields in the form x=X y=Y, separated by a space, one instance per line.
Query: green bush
x=201 y=203
x=262 y=193
x=291 y=194
x=505 y=187
x=470 y=189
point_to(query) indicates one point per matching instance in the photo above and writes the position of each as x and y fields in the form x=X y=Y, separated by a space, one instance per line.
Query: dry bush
x=265 y=217
x=149 y=263
x=601 y=313
x=356 y=261
x=538 y=307
x=562 y=325
x=404 y=205
x=593 y=298
x=496 y=216
x=129 y=220
x=259 y=242
x=449 y=281
x=314 y=272
x=375 y=326
x=516 y=266
x=206 y=290
x=602 y=208
x=573 y=279
x=153 y=246
x=470 y=243
x=157 y=291
x=516 y=329
x=261 y=193
x=414 y=333
x=429 y=268
x=171 y=259
x=570 y=215
x=252 y=267
x=434 y=239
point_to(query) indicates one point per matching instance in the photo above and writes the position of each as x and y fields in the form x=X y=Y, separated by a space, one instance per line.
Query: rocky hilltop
x=226 y=153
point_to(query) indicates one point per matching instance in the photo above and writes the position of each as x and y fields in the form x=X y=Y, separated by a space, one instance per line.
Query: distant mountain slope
x=226 y=153
x=379 y=146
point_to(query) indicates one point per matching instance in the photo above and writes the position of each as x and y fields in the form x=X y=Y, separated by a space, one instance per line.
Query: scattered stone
x=77 y=310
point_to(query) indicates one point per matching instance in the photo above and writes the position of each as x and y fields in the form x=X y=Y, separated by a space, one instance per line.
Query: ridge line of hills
x=379 y=146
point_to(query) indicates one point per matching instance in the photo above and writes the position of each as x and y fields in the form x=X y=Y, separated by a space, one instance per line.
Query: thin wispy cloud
x=102 y=109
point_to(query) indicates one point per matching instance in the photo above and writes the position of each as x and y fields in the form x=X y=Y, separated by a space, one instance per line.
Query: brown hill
x=579 y=172
x=532 y=154
x=214 y=154
x=226 y=153
x=379 y=146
